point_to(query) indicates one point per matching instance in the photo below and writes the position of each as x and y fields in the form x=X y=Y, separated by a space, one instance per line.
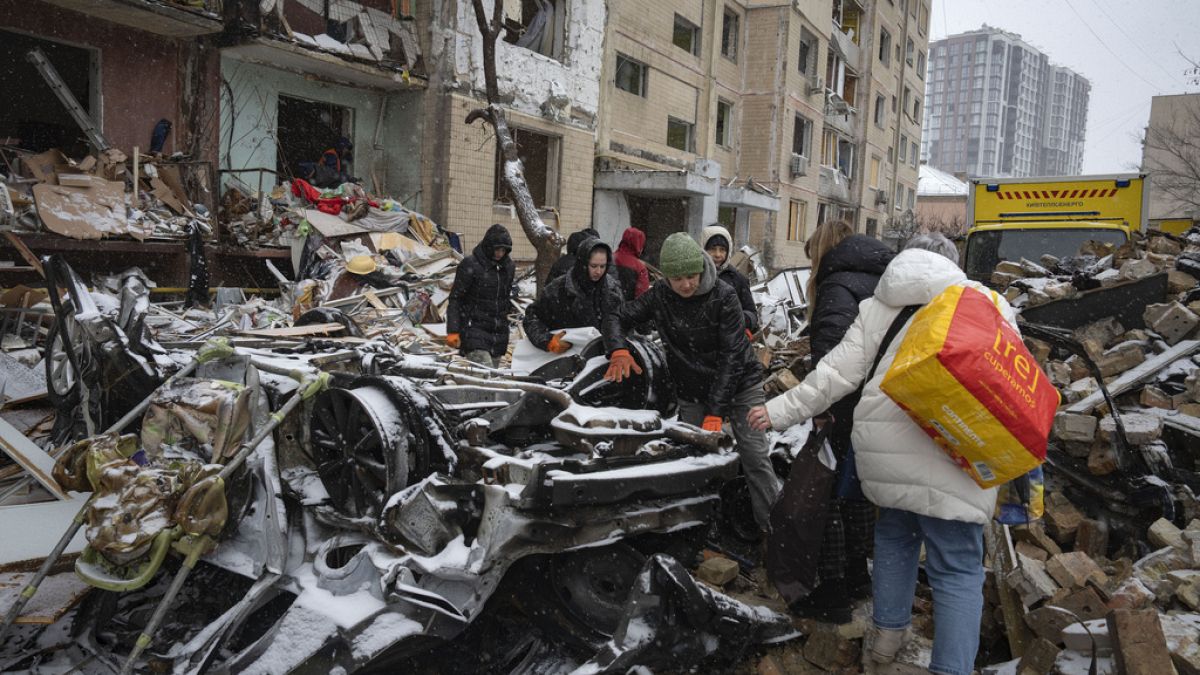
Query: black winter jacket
x=741 y=286
x=704 y=336
x=574 y=300
x=848 y=275
x=566 y=262
x=480 y=297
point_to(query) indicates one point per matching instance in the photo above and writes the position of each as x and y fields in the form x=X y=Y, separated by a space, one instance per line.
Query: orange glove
x=619 y=365
x=749 y=335
x=711 y=423
x=557 y=344
x=453 y=340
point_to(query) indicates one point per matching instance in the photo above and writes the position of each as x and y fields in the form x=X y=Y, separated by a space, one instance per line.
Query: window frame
x=726 y=126
x=552 y=195
x=730 y=39
x=806 y=127
x=690 y=127
x=885 y=47
x=797 y=225
x=682 y=23
x=644 y=79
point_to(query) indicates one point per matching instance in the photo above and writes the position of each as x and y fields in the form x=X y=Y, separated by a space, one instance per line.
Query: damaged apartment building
x=768 y=117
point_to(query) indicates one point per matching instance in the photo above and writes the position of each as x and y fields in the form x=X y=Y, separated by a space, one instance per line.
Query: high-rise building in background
x=996 y=106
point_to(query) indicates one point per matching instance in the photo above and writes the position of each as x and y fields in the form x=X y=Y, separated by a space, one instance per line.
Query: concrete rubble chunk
x=1153 y=397
x=1105 y=331
x=1035 y=535
x=1039 y=658
x=1179 y=281
x=1171 y=320
x=1164 y=246
x=1030 y=550
x=1085 y=603
x=1190 y=409
x=1131 y=594
x=1062 y=518
x=1092 y=538
x=717 y=571
x=1083 y=637
x=1163 y=533
x=830 y=651
x=1059 y=374
x=1120 y=359
x=1081 y=389
x=1140 y=428
x=1002 y=279
x=1109 y=277
x=1048 y=623
x=1074 y=570
x=1038 y=348
x=1189 y=594
x=1030 y=581
x=1010 y=267
x=1071 y=427
x=1102 y=460
x=1139 y=647
x=1132 y=270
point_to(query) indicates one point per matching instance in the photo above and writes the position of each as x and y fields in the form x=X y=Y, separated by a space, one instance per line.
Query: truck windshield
x=986 y=249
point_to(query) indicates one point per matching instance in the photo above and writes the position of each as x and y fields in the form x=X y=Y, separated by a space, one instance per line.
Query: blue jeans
x=954 y=566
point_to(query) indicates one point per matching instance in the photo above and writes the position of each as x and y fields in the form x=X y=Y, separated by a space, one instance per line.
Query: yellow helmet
x=361 y=264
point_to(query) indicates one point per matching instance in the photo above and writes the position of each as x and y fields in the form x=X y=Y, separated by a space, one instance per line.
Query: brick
x=1092 y=538
x=1039 y=658
x=1131 y=594
x=1105 y=331
x=1192 y=409
x=1010 y=267
x=1035 y=534
x=1003 y=280
x=1138 y=269
x=1139 y=647
x=1029 y=550
x=1171 y=320
x=1081 y=637
x=1074 y=570
x=1153 y=397
x=1163 y=533
x=1102 y=460
x=1071 y=427
x=1048 y=623
x=1039 y=349
x=1140 y=428
x=830 y=651
x=1030 y=581
x=1189 y=594
x=1084 y=603
x=1120 y=359
x=1062 y=518
x=1179 y=282
x=717 y=571
x=1059 y=374
x=1163 y=246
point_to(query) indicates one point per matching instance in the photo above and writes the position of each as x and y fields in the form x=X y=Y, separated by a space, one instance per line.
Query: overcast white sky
x=1126 y=48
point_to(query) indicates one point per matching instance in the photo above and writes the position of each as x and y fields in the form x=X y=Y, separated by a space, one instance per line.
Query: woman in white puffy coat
x=924 y=498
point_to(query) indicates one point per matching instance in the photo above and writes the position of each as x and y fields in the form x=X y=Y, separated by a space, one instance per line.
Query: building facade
x=758 y=115
x=1171 y=162
x=997 y=107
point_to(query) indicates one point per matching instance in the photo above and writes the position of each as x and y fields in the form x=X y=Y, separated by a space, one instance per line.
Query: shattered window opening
x=539 y=154
x=31 y=113
x=730 y=26
x=307 y=133
x=680 y=134
x=537 y=25
x=724 y=123
x=631 y=75
x=797 y=220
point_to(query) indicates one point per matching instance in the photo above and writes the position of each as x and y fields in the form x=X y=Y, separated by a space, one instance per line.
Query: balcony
x=845 y=45
x=840 y=115
x=834 y=185
x=161 y=17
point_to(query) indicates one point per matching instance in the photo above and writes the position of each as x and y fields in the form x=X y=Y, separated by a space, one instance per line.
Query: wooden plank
x=33 y=459
x=999 y=546
x=374 y=300
x=296 y=331
x=1136 y=376
x=26 y=254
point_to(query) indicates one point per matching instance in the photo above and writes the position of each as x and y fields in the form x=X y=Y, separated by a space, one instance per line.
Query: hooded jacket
x=567 y=260
x=704 y=336
x=480 y=298
x=900 y=467
x=731 y=276
x=573 y=300
x=635 y=280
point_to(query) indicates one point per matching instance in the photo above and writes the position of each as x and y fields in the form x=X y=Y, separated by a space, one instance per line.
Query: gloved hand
x=454 y=340
x=619 y=365
x=711 y=423
x=557 y=344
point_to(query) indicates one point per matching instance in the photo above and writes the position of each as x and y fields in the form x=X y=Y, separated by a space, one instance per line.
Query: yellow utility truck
x=1015 y=218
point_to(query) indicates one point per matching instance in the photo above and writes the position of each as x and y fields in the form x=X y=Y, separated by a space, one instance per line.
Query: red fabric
x=633 y=241
x=332 y=206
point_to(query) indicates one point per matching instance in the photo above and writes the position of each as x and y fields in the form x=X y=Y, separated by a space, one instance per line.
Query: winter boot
x=828 y=603
x=882 y=644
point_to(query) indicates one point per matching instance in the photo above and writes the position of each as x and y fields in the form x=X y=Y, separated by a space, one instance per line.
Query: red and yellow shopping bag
x=964 y=376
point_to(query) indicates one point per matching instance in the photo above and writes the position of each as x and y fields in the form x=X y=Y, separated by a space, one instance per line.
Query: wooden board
x=56 y=595
x=296 y=331
x=1136 y=376
x=33 y=459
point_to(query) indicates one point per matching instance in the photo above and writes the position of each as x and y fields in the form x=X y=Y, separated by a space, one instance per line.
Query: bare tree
x=546 y=241
x=902 y=228
x=1172 y=156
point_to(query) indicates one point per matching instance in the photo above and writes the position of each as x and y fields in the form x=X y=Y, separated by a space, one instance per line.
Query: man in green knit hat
x=717 y=378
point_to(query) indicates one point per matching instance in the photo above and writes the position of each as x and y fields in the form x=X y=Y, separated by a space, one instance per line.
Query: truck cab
x=1015 y=218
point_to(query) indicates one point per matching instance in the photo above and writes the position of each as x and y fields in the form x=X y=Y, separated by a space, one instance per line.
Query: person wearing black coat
x=847 y=268
x=716 y=375
x=583 y=297
x=719 y=245
x=566 y=262
x=477 y=317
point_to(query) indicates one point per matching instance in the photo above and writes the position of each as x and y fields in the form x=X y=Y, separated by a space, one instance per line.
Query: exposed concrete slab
x=152 y=17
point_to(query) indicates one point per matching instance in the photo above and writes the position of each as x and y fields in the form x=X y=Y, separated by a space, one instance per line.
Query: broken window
x=539 y=155
x=724 y=123
x=304 y=131
x=845 y=160
x=631 y=75
x=32 y=113
x=537 y=25
x=872 y=227
x=729 y=34
x=885 y=47
x=909 y=50
x=807 y=62
x=801 y=135
x=679 y=134
x=880 y=110
x=686 y=35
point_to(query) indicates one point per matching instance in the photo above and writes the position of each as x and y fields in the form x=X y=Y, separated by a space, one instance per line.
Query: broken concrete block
x=1030 y=581
x=1109 y=277
x=1131 y=594
x=1179 y=282
x=1048 y=623
x=1163 y=246
x=1140 y=428
x=1093 y=348
x=1120 y=359
x=1002 y=279
x=1105 y=331
x=1141 y=268
x=1171 y=320
x=1071 y=427
x=1032 y=269
x=1083 y=387
x=1139 y=647
x=1192 y=409
x=1085 y=603
x=1029 y=550
x=1010 y=267
x=1083 y=637
x=1164 y=533
x=1153 y=397
x=1092 y=538
x=1039 y=349
x=829 y=651
x=1038 y=658
x=1062 y=518
x=1074 y=570
x=1076 y=449
x=1059 y=374
x=717 y=571
x=1189 y=594
x=1035 y=534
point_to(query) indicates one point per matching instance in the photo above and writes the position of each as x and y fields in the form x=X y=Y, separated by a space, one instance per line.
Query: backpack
x=963 y=374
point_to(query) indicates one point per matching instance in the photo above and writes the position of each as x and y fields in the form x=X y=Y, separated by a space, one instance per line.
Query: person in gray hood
x=703 y=331
x=719 y=246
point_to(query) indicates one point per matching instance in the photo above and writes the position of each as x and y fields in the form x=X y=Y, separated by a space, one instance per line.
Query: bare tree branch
x=1172 y=157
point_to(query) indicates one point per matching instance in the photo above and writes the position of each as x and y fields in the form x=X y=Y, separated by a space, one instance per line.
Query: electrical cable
x=1110 y=50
